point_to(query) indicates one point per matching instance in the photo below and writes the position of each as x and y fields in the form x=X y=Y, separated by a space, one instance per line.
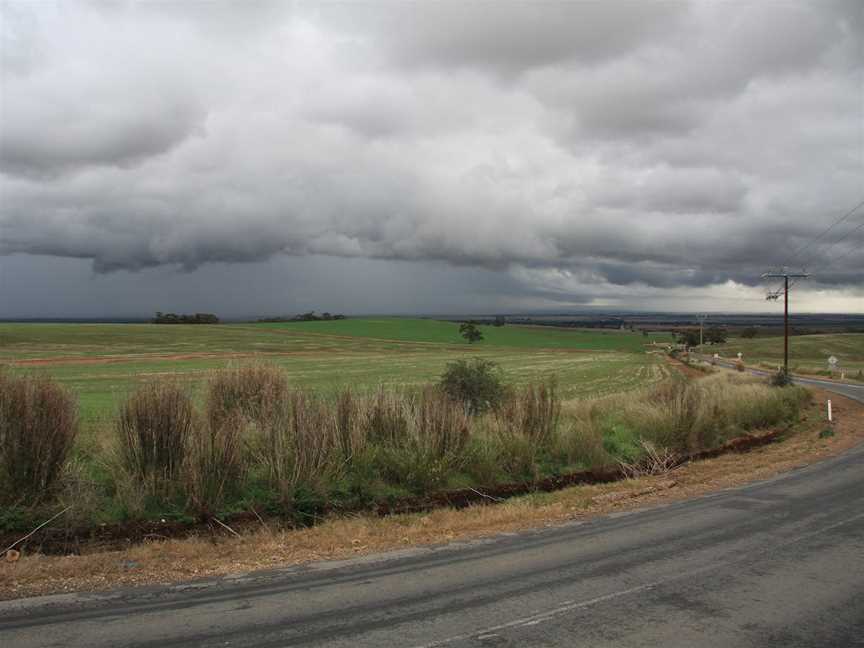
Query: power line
x=778 y=291
x=829 y=262
x=846 y=235
x=827 y=230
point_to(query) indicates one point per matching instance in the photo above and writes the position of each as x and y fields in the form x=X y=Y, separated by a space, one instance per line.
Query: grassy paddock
x=104 y=363
x=297 y=453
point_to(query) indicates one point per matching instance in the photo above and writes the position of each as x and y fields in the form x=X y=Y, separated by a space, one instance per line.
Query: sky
x=441 y=157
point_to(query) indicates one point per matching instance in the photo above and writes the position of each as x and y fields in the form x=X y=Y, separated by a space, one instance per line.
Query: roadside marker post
x=829 y=411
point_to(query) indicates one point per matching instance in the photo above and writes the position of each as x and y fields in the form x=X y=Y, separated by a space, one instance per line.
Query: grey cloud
x=52 y=139
x=516 y=36
x=584 y=146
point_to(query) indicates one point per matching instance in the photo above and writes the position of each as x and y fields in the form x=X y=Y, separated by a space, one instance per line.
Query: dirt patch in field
x=259 y=547
x=689 y=372
x=101 y=360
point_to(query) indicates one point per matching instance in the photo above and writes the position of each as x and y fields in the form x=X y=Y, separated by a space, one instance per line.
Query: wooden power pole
x=785 y=276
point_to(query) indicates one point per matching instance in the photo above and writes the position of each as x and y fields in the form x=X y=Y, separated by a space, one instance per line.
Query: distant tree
x=174 y=318
x=500 y=320
x=716 y=335
x=750 y=332
x=470 y=332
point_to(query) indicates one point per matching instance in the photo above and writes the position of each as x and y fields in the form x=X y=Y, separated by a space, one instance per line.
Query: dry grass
x=38 y=426
x=340 y=538
x=680 y=416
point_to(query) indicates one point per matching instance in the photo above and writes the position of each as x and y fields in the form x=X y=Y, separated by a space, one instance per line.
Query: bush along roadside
x=253 y=445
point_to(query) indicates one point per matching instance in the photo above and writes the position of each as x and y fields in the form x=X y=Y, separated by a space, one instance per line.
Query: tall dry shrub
x=440 y=428
x=522 y=431
x=418 y=440
x=386 y=419
x=581 y=444
x=298 y=445
x=153 y=429
x=532 y=412
x=251 y=391
x=349 y=431
x=216 y=463
x=38 y=426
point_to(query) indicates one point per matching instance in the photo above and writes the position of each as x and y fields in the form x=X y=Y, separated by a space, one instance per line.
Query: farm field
x=255 y=442
x=807 y=353
x=102 y=363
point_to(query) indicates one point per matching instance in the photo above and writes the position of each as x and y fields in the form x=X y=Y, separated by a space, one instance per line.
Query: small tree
x=781 y=378
x=475 y=383
x=470 y=333
x=715 y=335
x=689 y=338
x=750 y=332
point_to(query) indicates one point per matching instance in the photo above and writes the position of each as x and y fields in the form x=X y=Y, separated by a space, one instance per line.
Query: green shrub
x=38 y=426
x=781 y=379
x=476 y=383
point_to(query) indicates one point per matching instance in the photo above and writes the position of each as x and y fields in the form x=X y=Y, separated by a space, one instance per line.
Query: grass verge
x=340 y=537
x=259 y=445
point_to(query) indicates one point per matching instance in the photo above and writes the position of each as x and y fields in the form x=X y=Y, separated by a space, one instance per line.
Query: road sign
x=832 y=362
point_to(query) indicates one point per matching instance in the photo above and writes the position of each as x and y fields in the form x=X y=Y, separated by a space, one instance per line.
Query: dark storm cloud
x=574 y=148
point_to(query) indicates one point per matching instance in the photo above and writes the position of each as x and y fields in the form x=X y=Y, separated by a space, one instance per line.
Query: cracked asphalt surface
x=775 y=563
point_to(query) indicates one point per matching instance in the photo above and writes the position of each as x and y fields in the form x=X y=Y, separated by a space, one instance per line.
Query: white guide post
x=829 y=410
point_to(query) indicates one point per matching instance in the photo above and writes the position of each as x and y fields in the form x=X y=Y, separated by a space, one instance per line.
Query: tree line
x=174 y=318
x=311 y=316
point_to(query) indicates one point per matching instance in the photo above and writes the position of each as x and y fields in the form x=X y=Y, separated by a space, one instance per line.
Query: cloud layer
x=569 y=145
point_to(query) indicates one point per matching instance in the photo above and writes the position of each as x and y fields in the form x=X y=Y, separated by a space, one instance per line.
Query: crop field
x=807 y=353
x=102 y=363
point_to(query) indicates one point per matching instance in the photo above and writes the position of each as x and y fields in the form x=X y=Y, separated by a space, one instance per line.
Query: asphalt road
x=776 y=563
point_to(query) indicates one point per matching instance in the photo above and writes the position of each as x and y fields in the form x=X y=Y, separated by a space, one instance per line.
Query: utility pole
x=785 y=276
x=701 y=326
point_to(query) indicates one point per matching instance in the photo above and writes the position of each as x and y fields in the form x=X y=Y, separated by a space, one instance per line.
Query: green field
x=103 y=362
x=807 y=353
